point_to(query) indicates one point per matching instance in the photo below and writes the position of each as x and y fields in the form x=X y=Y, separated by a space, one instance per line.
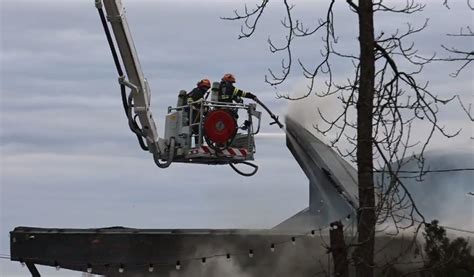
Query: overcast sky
x=68 y=158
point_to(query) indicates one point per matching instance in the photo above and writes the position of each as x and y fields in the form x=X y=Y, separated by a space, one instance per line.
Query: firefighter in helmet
x=229 y=93
x=198 y=93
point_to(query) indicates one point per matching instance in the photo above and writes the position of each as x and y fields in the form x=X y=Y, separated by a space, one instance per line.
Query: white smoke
x=306 y=111
x=213 y=267
x=441 y=196
x=314 y=112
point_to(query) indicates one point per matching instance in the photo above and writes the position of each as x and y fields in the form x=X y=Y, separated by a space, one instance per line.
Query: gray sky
x=68 y=158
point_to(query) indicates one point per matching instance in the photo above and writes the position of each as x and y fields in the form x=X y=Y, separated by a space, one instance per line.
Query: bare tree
x=456 y=54
x=388 y=100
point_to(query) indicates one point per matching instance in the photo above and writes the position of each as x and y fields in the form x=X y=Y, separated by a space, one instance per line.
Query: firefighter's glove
x=251 y=96
x=239 y=100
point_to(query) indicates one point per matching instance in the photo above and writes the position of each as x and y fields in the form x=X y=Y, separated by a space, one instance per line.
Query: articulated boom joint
x=126 y=83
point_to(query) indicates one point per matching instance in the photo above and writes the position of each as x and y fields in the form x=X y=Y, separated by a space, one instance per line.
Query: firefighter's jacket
x=228 y=93
x=196 y=94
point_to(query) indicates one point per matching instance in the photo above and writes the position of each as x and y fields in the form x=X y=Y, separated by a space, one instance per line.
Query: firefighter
x=229 y=93
x=198 y=93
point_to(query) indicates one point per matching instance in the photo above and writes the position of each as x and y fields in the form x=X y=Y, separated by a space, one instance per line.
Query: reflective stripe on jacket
x=228 y=93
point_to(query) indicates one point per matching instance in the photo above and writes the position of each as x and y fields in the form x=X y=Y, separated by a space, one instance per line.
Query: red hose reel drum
x=220 y=126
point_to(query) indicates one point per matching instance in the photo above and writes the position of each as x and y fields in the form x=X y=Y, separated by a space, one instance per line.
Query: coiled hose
x=255 y=169
x=170 y=158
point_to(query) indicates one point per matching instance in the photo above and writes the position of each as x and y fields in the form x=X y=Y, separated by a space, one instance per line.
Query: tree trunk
x=338 y=249
x=364 y=255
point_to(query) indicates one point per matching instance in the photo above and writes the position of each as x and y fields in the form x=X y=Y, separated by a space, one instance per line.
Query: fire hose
x=274 y=117
x=255 y=167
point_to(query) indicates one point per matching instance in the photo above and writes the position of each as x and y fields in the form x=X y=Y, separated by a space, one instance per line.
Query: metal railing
x=203 y=106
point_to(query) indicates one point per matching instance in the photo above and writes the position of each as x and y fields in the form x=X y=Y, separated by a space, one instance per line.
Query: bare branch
x=400 y=102
x=466 y=110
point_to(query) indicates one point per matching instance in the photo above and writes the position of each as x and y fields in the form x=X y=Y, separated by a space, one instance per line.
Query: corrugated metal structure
x=332 y=196
x=332 y=180
x=104 y=251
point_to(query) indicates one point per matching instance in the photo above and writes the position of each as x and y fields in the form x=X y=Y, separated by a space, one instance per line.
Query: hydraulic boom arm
x=137 y=103
x=218 y=139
